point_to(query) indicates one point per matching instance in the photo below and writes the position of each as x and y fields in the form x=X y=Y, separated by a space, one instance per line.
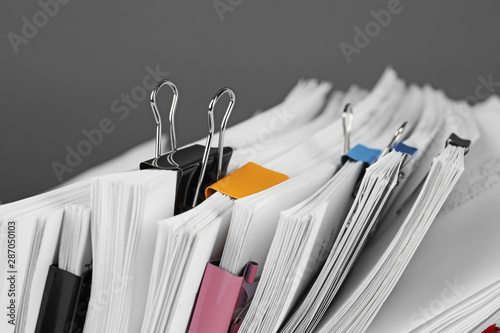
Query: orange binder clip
x=247 y=180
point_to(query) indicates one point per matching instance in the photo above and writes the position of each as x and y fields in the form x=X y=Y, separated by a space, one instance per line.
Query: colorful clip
x=404 y=149
x=492 y=329
x=247 y=180
x=222 y=296
x=361 y=153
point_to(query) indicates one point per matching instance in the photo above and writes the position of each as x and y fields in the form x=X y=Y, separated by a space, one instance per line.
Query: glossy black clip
x=198 y=166
x=65 y=302
x=455 y=140
x=187 y=162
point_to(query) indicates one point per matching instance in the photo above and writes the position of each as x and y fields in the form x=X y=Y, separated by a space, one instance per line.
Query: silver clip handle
x=156 y=113
x=208 y=144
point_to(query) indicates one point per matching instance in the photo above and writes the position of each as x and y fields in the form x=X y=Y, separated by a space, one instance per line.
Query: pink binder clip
x=222 y=299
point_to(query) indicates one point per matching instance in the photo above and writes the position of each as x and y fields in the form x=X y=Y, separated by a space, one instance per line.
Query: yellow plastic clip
x=247 y=180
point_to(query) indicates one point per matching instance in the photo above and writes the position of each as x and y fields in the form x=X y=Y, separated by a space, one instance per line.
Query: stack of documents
x=342 y=211
x=466 y=315
x=353 y=312
x=125 y=210
x=356 y=314
x=373 y=192
x=32 y=229
x=75 y=251
x=303 y=239
x=255 y=218
x=454 y=259
x=185 y=243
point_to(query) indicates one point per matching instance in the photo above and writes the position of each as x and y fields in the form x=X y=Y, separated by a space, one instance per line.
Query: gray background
x=65 y=78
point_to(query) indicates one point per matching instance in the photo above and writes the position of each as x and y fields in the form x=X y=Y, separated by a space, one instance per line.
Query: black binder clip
x=195 y=161
x=65 y=302
x=455 y=140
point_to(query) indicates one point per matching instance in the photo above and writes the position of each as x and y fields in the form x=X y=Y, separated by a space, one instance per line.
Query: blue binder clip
x=405 y=149
x=359 y=152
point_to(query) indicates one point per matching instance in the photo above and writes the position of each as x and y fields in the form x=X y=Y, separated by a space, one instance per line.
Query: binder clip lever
x=188 y=161
x=208 y=144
